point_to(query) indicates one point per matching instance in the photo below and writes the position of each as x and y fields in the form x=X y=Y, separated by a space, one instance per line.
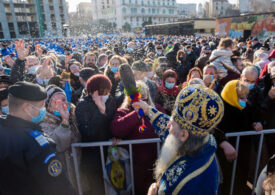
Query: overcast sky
x=74 y=3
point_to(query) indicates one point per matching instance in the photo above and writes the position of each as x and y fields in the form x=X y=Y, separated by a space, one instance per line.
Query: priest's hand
x=141 y=104
x=153 y=190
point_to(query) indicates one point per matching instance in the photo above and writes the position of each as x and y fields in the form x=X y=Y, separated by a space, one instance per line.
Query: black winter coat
x=234 y=120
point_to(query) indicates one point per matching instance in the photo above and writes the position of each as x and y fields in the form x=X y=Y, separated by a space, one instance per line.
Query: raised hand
x=21 y=50
x=9 y=61
x=62 y=108
x=99 y=102
x=67 y=60
x=38 y=50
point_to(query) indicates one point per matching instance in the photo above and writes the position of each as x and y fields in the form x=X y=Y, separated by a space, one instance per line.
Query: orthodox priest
x=187 y=163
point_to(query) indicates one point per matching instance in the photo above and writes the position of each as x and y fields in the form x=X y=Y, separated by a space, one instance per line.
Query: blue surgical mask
x=130 y=50
x=250 y=86
x=40 y=117
x=209 y=75
x=169 y=45
x=114 y=69
x=272 y=60
x=197 y=45
x=169 y=85
x=5 y=110
x=244 y=47
x=33 y=69
x=242 y=103
x=56 y=113
x=188 y=52
x=159 y=52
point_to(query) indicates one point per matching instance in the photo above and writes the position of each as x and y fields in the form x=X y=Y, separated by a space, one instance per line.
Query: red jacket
x=125 y=126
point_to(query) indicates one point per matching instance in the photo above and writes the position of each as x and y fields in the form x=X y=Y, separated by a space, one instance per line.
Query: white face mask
x=105 y=98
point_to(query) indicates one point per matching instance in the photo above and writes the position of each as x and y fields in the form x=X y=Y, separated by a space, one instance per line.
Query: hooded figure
x=172 y=56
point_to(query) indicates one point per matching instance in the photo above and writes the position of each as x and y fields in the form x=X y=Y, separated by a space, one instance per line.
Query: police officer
x=28 y=161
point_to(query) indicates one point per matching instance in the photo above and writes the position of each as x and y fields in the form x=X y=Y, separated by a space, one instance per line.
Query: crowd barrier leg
x=132 y=168
x=258 y=162
x=234 y=167
x=103 y=167
x=76 y=167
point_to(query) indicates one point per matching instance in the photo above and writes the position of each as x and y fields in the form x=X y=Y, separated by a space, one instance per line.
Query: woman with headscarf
x=168 y=90
x=59 y=124
x=235 y=119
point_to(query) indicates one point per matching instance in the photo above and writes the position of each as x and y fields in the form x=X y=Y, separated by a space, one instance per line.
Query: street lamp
x=65 y=27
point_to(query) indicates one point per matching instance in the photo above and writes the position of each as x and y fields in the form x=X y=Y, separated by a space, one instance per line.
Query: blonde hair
x=144 y=92
x=225 y=43
x=242 y=90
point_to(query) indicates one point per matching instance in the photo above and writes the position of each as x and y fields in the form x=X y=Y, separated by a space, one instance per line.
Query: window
x=153 y=11
x=137 y=19
x=163 y=11
x=143 y=10
x=149 y=10
x=124 y=10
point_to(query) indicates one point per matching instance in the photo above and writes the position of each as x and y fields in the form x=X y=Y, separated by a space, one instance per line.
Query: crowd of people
x=61 y=91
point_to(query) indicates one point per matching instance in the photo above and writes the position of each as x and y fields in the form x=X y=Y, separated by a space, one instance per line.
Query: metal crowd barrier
x=157 y=141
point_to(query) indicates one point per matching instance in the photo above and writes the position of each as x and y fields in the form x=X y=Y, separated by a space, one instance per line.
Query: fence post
x=234 y=167
x=76 y=167
x=132 y=169
x=258 y=162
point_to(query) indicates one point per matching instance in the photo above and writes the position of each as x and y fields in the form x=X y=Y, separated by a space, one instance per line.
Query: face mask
x=130 y=50
x=197 y=45
x=273 y=84
x=169 y=45
x=40 y=117
x=242 y=103
x=169 y=85
x=250 y=86
x=208 y=75
x=5 y=110
x=159 y=52
x=114 y=69
x=46 y=81
x=150 y=74
x=56 y=113
x=77 y=74
x=105 y=98
x=273 y=60
x=244 y=47
x=188 y=52
x=33 y=69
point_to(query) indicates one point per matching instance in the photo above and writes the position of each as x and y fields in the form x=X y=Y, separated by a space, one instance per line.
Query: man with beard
x=187 y=163
x=90 y=61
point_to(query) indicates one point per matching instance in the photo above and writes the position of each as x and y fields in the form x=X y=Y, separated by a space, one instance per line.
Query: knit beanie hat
x=51 y=91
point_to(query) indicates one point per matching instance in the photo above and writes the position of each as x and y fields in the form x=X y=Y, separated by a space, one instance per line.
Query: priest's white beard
x=169 y=152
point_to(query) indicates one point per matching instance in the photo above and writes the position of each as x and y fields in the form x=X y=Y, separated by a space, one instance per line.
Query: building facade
x=33 y=18
x=84 y=10
x=218 y=8
x=134 y=12
x=255 y=6
x=186 y=10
